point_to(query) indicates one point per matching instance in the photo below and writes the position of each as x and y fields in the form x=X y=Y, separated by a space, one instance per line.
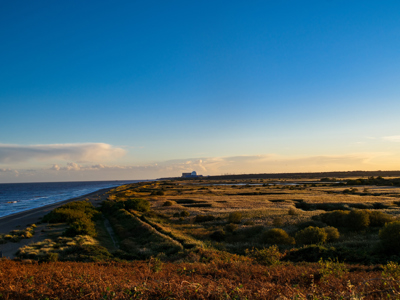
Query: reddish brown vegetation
x=214 y=280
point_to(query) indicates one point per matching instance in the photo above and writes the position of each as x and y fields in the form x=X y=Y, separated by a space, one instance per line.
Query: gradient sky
x=104 y=90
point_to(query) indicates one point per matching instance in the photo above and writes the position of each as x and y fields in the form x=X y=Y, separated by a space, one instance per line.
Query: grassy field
x=288 y=238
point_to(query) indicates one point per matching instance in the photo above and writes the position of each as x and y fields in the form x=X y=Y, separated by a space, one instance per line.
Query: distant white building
x=191 y=175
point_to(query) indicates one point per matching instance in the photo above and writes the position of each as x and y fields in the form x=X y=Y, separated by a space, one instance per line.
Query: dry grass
x=41 y=250
x=16 y=235
x=214 y=280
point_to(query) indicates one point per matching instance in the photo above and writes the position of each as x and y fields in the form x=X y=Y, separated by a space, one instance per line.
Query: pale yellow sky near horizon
x=79 y=162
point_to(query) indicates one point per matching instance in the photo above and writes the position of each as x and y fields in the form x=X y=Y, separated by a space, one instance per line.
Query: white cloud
x=73 y=166
x=55 y=168
x=393 y=138
x=70 y=152
x=266 y=163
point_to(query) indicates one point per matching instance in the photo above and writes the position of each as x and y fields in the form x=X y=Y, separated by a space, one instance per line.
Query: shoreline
x=31 y=216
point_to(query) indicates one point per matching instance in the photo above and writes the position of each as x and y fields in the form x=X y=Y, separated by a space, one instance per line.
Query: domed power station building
x=191 y=175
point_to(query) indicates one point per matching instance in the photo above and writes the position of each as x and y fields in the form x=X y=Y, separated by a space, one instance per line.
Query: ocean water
x=17 y=197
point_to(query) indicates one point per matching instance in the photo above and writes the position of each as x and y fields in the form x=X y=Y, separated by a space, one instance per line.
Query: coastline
x=23 y=218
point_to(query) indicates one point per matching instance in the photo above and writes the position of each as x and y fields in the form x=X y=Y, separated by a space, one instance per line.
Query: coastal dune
x=22 y=219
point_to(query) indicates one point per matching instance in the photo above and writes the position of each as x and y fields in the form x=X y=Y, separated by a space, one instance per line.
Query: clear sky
x=104 y=90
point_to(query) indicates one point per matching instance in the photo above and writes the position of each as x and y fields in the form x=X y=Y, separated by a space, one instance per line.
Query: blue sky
x=101 y=90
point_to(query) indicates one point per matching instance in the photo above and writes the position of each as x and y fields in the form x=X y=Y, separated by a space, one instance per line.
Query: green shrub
x=235 y=217
x=61 y=215
x=336 y=218
x=378 y=218
x=302 y=225
x=266 y=256
x=277 y=222
x=51 y=257
x=168 y=203
x=249 y=222
x=110 y=207
x=332 y=233
x=81 y=227
x=218 y=235
x=277 y=236
x=358 y=219
x=391 y=271
x=390 y=236
x=332 y=267
x=312 y=253
x=138 y=204
x=311 y=235
x=184 y=213
x=231 y=227
x=158 y=193
x=71 y=212
x=293 y=211
x=87 y=253
x=379 y=205
x=204 y=218
x=252 y=230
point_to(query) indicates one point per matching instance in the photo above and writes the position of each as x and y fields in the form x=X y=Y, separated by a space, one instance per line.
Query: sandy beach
x=22 y=219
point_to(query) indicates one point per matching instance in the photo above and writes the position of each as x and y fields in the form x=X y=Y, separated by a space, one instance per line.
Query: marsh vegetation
x=256 y=223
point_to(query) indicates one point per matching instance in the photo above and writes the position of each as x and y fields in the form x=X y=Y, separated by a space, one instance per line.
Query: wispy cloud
x=392 y=138
x=69 y=152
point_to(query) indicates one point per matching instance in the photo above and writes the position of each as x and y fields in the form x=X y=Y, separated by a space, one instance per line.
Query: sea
x=17 y=197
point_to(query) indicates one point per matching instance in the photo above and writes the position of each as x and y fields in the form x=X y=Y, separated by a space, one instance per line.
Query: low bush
x=109 y=207
x=293 y=211
x=312 y=253
x=378 y=205
x=218 y=235
x=90 y=253
x=277 y=222
x=337 y=218
x=16 y=235
x=184 y=213
x=391 y=271
x=332 y=267
x=358 y=219
x=204 y=218
x=158 y=193
x=231 y=227
x=138 y=204
x=302 y=225
x=277 y=236
x=389 y=236
x=61 y=215
x=251 y=230
x=78 y=248
x=311 y=235
x=379 y=219
x=235 y=217
x=168 y=203
x=79 y=215
x=332 y=233
x=83 y=226
x=266 y=256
